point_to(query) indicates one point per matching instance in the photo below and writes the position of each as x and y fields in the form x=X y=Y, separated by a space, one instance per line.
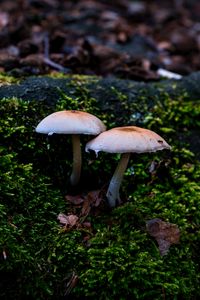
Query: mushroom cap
x=126 y=140
x=71 y=122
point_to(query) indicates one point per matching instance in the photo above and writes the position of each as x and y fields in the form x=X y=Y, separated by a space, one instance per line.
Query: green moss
x=124 y=262
x=79 y=97
x=120 y=260
x=6 y=79
x=83 y=79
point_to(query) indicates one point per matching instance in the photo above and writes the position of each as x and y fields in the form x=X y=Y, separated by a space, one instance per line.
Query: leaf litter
x=166 y=234
x=81 y=206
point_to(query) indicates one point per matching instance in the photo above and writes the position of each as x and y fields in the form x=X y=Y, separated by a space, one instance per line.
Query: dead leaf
x=92 y=199
x=165 y=234
x=78 y=199
x=87 y=225
x=86 y=240
x=95 y=197
x=70 y=220
x=71 y=283
x=86 y=208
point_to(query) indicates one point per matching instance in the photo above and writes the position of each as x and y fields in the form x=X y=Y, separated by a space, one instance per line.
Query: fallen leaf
x=92 y=199
x=71 y=283
x=78 y=199
x=70 y=220
x=165 y=234
x=95 y=197
x=86 y=208
x=87 y=225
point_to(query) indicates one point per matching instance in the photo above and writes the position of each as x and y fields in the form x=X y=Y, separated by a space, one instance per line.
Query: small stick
x=47 y=59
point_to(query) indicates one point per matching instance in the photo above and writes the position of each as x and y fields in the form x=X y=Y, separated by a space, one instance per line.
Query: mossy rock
x=115 y=258
x=122 y=102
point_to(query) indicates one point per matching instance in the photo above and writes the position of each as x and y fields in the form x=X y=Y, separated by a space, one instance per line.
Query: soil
x=124 y=39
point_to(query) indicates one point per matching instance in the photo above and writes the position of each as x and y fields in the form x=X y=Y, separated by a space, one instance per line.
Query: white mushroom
x=125 y=140
x=75 y=123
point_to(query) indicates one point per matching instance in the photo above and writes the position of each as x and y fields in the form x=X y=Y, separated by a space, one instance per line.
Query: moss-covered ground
x=115 y=257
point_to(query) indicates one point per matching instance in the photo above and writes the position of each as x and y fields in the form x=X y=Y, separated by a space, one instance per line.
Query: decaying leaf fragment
x=68 y=221
x=92 y=199
x=77 y=220
x=76 y=200
x=71 y=283
x=165 y=234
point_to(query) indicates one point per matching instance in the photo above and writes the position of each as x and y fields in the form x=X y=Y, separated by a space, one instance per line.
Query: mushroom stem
x=114 y=186
x=77 y=160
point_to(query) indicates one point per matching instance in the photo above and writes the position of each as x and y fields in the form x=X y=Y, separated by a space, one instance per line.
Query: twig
x=168 y=74
x=48 y=60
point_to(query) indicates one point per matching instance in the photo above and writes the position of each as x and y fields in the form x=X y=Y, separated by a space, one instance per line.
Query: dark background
x=126 y=39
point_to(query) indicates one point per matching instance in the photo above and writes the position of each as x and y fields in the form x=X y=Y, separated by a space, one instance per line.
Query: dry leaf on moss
x=69 y=221
x=165 y=234
x=92 y=199
x=78 y=199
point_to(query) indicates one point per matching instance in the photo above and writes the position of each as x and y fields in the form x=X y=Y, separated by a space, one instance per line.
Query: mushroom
x=75 y=123
x=125 y=140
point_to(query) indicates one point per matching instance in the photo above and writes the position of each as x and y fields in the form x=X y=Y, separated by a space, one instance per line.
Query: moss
x=79 y=97
x=7 y=80
x=40 y=260
x=124 y=262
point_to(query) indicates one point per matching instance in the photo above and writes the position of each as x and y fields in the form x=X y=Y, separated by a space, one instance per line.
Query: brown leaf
x=86 y=208
x=70 y=220
x=95 y=197
x=87 y=225
x=165 y=234
x=92 y=199
x=78 y=199
x=71 y=283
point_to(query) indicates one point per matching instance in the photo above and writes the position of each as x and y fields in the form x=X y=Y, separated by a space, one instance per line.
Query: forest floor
x=126 y=39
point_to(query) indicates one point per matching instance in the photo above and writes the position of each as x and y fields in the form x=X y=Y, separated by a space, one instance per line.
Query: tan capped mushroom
x=125 y=140
x=75 y=123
